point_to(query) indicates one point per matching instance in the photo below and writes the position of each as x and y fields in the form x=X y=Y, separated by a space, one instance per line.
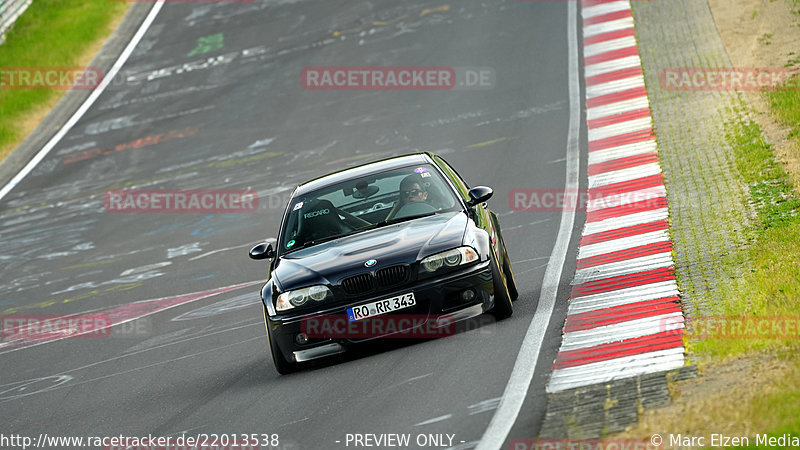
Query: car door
x=481 y=215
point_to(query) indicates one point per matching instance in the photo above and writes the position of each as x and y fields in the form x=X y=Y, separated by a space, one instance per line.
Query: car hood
x=401 y=243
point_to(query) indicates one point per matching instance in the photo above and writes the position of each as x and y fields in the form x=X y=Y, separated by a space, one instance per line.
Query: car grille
x=358 y=284
x=391 y=276
x=384 y=278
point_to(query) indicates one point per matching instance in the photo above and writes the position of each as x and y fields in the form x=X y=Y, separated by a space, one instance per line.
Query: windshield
x=365 y=203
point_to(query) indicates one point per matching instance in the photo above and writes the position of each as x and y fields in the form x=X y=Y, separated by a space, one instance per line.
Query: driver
x=412 y=189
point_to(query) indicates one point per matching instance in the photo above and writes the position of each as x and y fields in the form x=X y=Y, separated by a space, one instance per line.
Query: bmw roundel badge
x=370 y=262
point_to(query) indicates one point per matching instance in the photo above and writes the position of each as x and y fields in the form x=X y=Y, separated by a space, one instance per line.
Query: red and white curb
x=624 y=317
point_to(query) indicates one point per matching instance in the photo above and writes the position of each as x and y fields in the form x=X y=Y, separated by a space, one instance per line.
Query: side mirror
x=263 y=250
x=479 y=194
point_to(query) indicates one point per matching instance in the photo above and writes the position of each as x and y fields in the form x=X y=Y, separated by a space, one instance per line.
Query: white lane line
x=520 y=380
x=620 y=331
x=607 y=46
x=605 y=8
x=615 y=369
x=112 y=73
x=637 y=148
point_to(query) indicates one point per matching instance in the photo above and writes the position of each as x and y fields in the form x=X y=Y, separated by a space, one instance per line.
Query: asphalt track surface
x=244 y=121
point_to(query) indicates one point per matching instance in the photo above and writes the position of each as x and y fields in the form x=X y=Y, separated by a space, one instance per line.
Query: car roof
x=363 y=170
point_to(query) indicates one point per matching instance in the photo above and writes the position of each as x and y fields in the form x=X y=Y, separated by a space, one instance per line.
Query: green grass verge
x=780 y=408
x=770 y=285
x=786 y=106
x=51 y=33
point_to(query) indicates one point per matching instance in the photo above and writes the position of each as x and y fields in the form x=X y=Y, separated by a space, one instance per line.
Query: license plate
x=381 y=307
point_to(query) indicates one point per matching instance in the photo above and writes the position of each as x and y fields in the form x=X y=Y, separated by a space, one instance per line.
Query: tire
x=511 y=282
x=509 y=274
x=503 y=308
x=283 y=366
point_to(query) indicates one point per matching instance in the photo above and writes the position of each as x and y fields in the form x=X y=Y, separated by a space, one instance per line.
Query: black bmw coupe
x=398 y=247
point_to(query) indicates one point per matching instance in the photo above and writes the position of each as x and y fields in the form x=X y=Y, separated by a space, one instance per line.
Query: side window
x=454 y=177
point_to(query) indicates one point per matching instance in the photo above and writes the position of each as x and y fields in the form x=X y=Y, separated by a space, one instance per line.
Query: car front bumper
x=440 y=303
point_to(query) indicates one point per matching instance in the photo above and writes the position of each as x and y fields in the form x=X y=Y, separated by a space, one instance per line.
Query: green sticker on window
x=290 y=244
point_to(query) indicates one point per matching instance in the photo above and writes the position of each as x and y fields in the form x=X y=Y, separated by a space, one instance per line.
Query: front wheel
x=283 y=366
x=503 y=308
x=509 y=274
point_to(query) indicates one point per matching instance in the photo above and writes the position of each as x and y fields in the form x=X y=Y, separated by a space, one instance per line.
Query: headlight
x=318 y=293
x=300 y=297
x=451 y=258
x=432 y=263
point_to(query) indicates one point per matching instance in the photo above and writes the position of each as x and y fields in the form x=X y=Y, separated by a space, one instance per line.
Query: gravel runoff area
x=708 y=205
